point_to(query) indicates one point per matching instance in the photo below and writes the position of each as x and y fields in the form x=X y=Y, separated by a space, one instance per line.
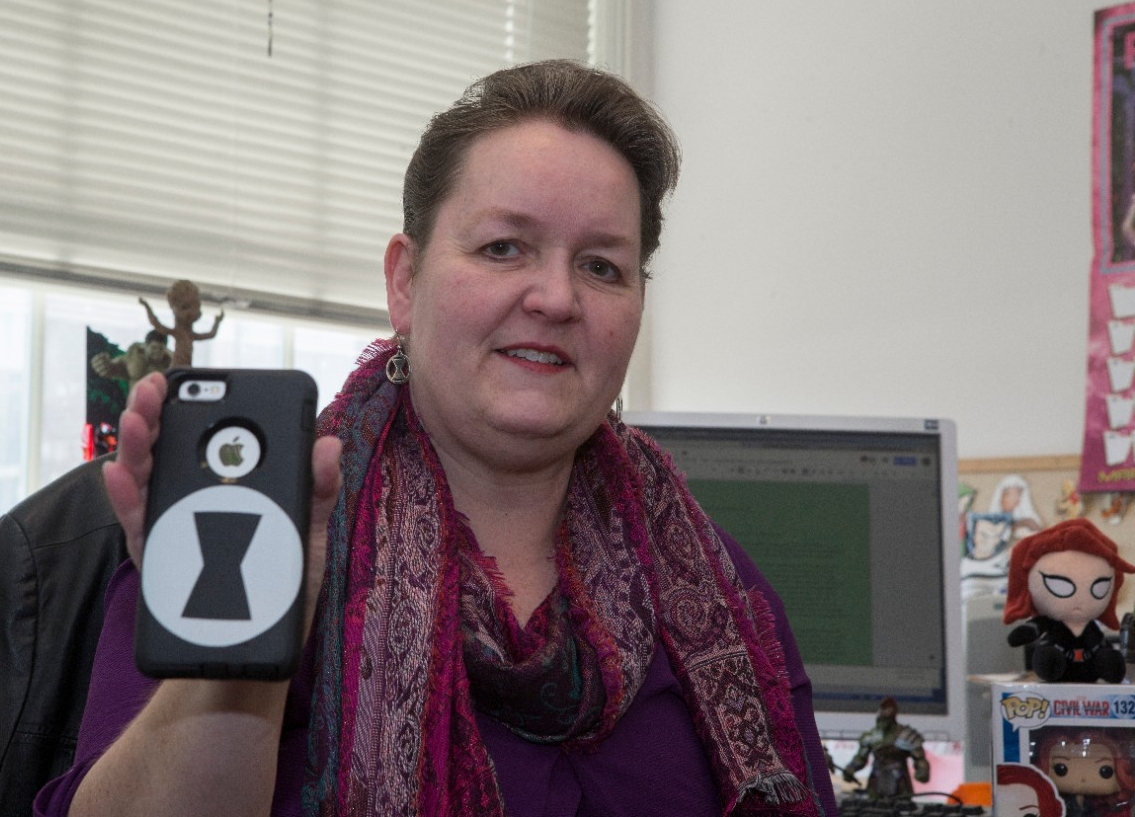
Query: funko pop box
x=1030 y=719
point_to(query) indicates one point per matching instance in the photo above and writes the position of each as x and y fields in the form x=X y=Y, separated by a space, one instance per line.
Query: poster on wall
x=1108 y=455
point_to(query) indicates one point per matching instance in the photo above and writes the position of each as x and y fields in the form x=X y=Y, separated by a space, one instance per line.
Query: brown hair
x=576 y=96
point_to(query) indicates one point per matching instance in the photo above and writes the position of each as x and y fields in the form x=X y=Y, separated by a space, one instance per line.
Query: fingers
x=128 y=474
x=138 y=425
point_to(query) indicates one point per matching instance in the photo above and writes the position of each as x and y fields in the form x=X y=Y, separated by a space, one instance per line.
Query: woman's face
x=522 y=311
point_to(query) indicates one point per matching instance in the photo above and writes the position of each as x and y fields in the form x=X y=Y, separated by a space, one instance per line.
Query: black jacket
x=58 y=549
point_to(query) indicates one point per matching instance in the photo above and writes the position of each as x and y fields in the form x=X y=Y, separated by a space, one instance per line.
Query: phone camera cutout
x=201 y=391
x=233 y=451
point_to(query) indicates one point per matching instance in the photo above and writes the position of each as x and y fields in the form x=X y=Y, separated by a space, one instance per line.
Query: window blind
x=256 y=148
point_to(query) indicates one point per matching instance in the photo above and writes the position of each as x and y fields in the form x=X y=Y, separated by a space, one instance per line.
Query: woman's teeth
x=534 y=356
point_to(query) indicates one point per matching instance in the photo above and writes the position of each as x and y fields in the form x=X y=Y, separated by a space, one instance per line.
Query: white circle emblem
x=270 y=565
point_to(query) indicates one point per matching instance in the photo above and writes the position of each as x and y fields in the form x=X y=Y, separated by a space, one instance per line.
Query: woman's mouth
x=535 y=356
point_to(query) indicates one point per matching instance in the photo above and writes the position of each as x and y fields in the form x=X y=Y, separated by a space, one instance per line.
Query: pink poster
x=1108 y=456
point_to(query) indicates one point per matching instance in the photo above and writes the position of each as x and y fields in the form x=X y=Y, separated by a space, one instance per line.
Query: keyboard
x=861 y=806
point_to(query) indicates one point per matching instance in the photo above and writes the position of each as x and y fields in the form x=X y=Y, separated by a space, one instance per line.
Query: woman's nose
x=554 y=291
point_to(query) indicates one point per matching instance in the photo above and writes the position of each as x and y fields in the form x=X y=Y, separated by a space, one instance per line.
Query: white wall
x=884 y=209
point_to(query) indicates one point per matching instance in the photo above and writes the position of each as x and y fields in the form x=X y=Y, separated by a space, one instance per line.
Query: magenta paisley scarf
x=414 y=631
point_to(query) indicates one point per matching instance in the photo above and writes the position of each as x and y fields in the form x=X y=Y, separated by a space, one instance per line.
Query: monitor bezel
x=951 y=726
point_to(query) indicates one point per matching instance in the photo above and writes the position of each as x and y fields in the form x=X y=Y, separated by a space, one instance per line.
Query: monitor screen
x=854 y=523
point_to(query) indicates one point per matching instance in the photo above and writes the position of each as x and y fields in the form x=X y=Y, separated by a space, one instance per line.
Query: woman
x=523 y=610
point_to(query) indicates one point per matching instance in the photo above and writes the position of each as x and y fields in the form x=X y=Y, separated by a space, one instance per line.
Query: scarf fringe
x=776 y=789
x=377 y=347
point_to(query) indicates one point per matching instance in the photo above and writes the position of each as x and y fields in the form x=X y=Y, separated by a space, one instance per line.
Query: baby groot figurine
x=185 y=301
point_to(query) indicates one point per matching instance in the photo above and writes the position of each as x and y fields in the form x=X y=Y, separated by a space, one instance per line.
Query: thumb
x=326 y=483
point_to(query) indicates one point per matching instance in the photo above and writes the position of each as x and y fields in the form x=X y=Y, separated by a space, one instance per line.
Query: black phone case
x=227 y=516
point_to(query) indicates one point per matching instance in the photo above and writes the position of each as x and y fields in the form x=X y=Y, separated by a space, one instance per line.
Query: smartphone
x=227 y=516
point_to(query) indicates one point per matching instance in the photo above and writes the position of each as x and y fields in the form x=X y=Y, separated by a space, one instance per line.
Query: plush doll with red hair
x=1064 y=579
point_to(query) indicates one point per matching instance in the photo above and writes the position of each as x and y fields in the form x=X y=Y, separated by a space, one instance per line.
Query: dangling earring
x=618 y=409
x=398 y=367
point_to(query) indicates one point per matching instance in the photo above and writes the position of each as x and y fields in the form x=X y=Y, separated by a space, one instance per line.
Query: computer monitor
x=854 y=522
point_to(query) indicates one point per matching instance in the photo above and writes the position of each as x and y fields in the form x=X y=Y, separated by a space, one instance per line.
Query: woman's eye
x=501 y=249
x=1101 y=588
x=603 y=270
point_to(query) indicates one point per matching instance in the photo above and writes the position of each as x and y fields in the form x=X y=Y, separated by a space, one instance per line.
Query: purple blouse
x=652 y=763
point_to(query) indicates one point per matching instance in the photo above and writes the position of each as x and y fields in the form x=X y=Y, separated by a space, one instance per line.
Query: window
x=43 y=386
x=256 y=149
x=15 y=385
